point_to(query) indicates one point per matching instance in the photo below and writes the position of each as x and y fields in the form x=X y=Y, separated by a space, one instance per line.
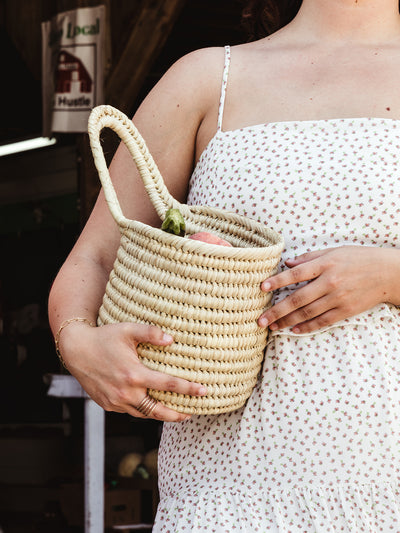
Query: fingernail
x=202 y=391
x=263 y=322
x=273 y=327
x=167 y=338
x=266 y=286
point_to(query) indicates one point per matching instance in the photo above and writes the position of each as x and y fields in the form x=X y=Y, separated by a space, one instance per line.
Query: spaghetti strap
x=223 y=87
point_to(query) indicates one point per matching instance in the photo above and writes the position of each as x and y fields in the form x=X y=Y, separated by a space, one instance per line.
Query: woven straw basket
x=206 y=296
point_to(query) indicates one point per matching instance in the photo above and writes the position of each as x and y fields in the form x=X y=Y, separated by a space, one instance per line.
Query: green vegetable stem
x=174 y=222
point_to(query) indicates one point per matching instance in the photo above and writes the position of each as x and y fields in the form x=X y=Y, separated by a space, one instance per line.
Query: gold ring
x=147 y=406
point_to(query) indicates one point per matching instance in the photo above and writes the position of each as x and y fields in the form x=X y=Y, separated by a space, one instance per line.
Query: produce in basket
x=210 y=238
x=175 y=223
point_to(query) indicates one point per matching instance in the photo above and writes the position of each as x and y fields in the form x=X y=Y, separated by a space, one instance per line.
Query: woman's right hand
x=105 y=362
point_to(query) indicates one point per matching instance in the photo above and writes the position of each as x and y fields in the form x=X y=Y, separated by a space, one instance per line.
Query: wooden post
x=154 y=23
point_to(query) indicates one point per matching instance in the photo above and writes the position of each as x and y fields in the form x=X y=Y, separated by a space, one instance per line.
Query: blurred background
x=46 y=195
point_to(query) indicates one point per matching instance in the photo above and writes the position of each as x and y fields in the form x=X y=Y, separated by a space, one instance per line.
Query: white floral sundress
x=317 y=446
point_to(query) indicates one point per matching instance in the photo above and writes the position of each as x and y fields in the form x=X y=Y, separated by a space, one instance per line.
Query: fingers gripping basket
x=206 y=296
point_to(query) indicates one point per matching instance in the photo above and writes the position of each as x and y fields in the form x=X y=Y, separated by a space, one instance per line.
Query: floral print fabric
x=317 y=446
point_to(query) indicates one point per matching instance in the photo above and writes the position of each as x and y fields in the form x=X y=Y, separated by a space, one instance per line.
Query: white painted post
x=94 y=467
x=65 y=386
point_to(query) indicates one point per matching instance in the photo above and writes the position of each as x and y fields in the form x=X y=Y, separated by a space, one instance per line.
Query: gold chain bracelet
x=57 y=336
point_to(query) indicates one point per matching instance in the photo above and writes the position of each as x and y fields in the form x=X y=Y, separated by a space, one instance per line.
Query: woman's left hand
x=342 y=282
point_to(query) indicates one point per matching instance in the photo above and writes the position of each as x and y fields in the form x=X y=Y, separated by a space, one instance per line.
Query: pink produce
x=209 y=238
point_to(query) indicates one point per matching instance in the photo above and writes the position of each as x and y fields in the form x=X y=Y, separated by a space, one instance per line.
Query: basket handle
x=106 y=116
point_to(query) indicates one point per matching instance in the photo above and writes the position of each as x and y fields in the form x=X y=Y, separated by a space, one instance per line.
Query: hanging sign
x=72 y=68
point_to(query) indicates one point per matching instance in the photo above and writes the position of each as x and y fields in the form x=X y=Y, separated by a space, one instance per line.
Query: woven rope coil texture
x=207 y=297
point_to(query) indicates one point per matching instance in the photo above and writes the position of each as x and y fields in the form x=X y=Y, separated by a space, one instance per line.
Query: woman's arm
x=343 y=282
x=104 y=360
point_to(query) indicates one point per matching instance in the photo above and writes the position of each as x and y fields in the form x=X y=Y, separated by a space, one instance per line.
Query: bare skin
x=338 y=58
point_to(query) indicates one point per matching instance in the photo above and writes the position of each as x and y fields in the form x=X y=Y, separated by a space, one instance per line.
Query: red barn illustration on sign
x=73 y=84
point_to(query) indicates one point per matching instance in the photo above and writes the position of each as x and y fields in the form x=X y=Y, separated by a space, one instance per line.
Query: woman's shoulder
x=199 y=72
x=191 y=82
x=210 y=56
x=198 y=67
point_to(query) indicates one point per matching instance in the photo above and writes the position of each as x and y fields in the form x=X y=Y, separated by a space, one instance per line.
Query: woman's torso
x=316 y=448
